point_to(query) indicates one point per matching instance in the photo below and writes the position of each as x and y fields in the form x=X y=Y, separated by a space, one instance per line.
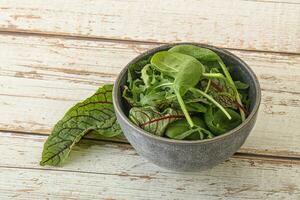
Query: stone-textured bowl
x=182 y=155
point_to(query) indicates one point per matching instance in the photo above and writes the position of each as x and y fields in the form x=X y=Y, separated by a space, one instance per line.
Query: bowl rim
x=139 y=130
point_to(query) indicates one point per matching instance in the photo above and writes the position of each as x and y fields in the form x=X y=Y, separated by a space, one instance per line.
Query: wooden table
x=54 y=53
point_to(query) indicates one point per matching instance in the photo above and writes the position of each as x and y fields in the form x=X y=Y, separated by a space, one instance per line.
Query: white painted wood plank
x=255 y=25
x=42 y=77
x=276 y=131
x=98 y=170
x=276 y=1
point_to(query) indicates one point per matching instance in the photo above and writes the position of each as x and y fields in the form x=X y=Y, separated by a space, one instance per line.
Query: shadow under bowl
x=184 y=155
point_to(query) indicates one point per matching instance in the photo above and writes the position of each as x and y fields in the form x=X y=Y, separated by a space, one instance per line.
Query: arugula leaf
x=127 y=95
x=96 y=113
x=147 y=75
x=134 y=70
x=153 y=121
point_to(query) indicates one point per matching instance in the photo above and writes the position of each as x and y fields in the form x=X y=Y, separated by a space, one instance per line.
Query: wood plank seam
x=125 y=41
x=35 y=75
x=236 y=155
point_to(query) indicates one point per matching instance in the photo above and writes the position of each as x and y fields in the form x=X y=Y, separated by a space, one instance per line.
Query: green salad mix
x=184 y=93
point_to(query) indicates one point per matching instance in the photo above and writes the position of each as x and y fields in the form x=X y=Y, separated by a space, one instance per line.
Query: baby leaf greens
x=180 y=130
x=218 y=123
x=207 y=55
x=95 y=113
x=186 y=81
x=186 y=72
x=152 y=120
x=184 y=93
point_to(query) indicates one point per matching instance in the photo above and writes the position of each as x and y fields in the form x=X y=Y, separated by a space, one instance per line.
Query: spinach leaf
x=200 y=92
x=153 y=121
x=203 y=54
x=188 y=77
x=245 y=99
x=191 y=79
x=218 y=123
x=240 y=85
x=167 y=63
x=95 y=113
x=187 y=72
x=180 y=130
x=196 y=107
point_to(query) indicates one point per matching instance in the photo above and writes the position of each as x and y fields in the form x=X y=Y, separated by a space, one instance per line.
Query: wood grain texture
x=42 y=77
x=98 y=170
x=254 y=25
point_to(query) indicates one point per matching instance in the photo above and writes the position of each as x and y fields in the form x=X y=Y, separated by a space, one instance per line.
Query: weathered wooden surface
x=51 y=74
x=255 y=25
x=115 y=171
x=55 y=53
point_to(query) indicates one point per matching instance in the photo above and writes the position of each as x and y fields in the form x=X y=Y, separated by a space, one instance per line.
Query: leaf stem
x=229 y=79
x=187 y=133
x=212 y=100
x=163 y=84
x=201 y=134
x=208 y=85
x=171 y=96
x=213 y=75
x=183 y=108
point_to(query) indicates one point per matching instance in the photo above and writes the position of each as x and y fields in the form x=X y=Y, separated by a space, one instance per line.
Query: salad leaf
x=134 y=70
x=204 y=54
x=153 y=121
x=96 y=113
x=180 y=130
x=218 y=123
x=186 y=71
x=240 y=85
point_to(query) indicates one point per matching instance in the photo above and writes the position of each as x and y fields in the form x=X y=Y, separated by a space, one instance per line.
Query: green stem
x=201 y=134
x=213 y=75
x=187 y=133
x=171 y=96
x=196 y=100
x=229 y=79
x=163 y=84
x=208 y=85
x=184 y=110
x=212 y=100
x=210 y=136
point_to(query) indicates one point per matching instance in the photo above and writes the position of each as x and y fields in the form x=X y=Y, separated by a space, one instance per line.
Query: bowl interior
x=238 y=69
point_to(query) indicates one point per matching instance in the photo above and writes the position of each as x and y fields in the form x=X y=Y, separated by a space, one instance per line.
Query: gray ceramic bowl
x=194 y=155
